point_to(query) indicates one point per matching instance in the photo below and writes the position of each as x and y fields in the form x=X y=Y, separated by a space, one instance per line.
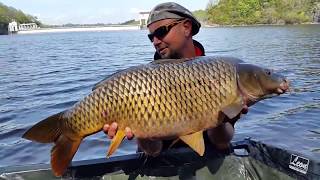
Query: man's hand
x=222 y=135
x=111 y=130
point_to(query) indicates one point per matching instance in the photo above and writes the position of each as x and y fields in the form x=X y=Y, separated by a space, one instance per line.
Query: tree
x=7 y=14
x=260 y=11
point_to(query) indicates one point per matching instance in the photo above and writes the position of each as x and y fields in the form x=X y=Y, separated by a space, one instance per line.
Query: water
x=42 y=74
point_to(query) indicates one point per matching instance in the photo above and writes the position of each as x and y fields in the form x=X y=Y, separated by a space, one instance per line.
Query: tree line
x=222 y=12
x=7 y=14
x=246 y=12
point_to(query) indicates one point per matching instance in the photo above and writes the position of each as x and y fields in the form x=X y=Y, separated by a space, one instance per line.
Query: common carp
x=166 y=99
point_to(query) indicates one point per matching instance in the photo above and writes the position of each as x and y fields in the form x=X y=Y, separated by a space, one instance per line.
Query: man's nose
x=156 y=41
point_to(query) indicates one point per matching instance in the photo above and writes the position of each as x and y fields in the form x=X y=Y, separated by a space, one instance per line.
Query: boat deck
x=250 y=159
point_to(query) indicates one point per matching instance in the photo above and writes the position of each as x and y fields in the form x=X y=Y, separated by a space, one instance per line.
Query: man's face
x=170 y=45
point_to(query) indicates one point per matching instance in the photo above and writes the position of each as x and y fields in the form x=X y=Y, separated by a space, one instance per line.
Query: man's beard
x=171 y=55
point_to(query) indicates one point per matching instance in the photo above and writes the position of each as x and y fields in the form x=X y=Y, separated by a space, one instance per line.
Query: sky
x=57 y=12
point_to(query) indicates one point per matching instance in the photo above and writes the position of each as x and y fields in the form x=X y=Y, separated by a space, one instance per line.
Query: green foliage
x=201 y=15
x=131 y=22
x=238 y=12
x=7 y=14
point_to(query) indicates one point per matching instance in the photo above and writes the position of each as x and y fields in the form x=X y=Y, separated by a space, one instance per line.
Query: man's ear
x=187 y=28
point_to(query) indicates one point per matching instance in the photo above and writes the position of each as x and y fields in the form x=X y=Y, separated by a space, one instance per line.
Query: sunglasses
x=162 y=31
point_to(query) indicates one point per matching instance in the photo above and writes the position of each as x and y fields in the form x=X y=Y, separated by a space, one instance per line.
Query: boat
x=249 y=159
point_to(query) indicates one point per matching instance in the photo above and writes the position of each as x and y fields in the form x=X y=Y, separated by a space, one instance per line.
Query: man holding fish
x=171 y=29
x=188 y=98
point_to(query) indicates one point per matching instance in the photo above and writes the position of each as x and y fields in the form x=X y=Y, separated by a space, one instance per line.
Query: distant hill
x=7 y=14
x=131 y=22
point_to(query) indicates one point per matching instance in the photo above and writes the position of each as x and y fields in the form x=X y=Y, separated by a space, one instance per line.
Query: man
x=171 y=28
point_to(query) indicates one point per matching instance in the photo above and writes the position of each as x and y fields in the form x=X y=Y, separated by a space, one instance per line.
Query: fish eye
x=268 y=72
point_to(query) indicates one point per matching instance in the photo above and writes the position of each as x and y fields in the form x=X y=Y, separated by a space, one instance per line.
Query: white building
x=27 y=26
x=13 y=27
x=143 y=18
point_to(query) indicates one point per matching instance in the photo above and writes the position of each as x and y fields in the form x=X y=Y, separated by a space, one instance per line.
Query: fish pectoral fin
x=195 y=141
x=173 y=143
x=233 y=109
x=150 y=147
x=62 y=153
x=115 y=142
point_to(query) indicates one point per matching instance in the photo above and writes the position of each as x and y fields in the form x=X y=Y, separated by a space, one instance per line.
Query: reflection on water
x=42 y=74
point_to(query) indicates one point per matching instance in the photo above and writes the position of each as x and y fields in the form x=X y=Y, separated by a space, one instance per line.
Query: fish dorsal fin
x=170 y=61
x=115 y=142
x=101 y=82
x=233 y=109
x=158 y=61
x=195 y=141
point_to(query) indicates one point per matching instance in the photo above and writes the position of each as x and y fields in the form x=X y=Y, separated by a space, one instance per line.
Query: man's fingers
x=129 y=133
x=106 y=128
x=112 y=130
x=245 y=109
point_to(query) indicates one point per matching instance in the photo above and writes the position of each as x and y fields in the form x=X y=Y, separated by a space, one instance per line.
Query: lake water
x=42 y=74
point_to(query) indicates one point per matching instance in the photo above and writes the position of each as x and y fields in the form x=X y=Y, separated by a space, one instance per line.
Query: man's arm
x=221 y=136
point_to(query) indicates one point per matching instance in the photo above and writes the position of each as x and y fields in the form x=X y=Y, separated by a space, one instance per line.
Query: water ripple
x=53 y=71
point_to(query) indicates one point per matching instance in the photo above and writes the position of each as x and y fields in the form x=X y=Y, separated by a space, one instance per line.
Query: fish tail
x=47 y=130
x=62 y=153
x=50 y=130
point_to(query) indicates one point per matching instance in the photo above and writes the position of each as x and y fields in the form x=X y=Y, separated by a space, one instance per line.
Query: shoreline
x=130 y=28
x=253 y=25
x=80 y=29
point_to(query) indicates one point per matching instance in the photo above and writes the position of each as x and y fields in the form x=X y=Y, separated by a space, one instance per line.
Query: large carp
x=166 y=99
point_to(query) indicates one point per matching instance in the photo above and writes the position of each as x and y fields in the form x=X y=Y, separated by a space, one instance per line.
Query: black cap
x=171 y=10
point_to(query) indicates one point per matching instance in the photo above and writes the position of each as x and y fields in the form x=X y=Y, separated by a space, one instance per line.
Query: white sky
x=93 y=11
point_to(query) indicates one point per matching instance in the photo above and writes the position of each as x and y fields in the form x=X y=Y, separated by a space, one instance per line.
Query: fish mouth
x=283 y=87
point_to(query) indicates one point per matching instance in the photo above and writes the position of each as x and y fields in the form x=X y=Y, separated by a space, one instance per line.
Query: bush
x=227 y=12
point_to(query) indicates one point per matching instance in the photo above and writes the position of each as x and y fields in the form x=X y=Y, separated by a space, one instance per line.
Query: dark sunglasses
x=162 y=31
